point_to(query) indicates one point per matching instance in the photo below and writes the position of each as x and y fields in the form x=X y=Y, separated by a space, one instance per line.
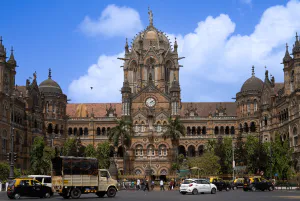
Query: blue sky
x=51 y=34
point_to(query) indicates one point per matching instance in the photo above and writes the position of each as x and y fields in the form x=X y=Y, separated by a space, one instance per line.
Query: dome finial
x=175 y=45
x=49 y=74
x=296 y=36
x=1 y=40
x=126 y=46
x=253 y=73
x=150 y=16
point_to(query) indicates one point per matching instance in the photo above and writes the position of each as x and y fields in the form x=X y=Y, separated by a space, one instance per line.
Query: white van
x=44 y=179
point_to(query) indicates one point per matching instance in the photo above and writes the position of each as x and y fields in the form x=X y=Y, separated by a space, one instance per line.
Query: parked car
x=257 y=184
x=221 y=184
x=196 y=186
x=238 y=183
x=28 y=187
x=44 y=179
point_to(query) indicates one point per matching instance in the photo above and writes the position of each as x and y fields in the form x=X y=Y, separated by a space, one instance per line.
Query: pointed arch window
x=139 y=150
x=162 y=150
x=150 y=150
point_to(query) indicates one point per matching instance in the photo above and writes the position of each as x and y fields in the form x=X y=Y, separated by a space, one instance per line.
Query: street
x=237 y=195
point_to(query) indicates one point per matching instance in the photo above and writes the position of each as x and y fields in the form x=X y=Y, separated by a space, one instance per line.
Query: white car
x=196 y=186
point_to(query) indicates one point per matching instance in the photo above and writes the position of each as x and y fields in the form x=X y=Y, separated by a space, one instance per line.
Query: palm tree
x=121 y=132
x=174 y=130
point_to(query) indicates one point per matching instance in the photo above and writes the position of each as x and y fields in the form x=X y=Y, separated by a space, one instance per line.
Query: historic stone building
x=151 y=94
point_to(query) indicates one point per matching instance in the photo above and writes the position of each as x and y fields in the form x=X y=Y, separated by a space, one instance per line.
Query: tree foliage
x=40 y=157
x=103 y=150
x=73 y=147
x=174 y=130
x=4 y=172
x=223 y=149
x=90 y=151
x=239 y=151
x=208 y=164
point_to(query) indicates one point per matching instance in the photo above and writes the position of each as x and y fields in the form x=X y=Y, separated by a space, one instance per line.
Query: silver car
x=196 y=186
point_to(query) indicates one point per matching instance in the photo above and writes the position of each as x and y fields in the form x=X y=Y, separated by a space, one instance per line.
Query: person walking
x=146 y=186
x=161 y=183
x=152 y=185
x=138 y=184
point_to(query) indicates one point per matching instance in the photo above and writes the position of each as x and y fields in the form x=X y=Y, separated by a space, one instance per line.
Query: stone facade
x=151 y=94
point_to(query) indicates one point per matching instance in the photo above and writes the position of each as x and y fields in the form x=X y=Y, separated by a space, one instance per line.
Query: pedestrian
x=161 y=183
x=152 y=185
x=138 y=184
x=170 y=185
x=146 y=186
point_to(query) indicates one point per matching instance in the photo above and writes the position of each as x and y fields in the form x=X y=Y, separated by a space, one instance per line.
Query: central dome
x=151 y=37
x=252 y=84
x=50 y=86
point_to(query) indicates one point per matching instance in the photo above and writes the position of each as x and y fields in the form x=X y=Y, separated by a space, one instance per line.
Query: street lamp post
x=233 y=162
x=11 y=170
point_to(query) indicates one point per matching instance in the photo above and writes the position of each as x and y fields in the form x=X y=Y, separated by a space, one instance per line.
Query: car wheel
x=100 y=194
x=253 y=188
x=271 y=188
x=17 y=196
x=213 y=191
x=195 y=191
x=10 y=197
x=111 y=192
x=183 y=193
x=227 y=188
x=76 y=193
x=47 y=195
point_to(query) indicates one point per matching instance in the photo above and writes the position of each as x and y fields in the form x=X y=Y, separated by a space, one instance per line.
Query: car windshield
x=187 y=181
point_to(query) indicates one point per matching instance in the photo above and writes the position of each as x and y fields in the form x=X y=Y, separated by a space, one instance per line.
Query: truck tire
x=111 y=192
x=100 y=194
x=76 y=193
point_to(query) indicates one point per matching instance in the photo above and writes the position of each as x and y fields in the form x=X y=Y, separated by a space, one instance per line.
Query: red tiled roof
x=203 y=108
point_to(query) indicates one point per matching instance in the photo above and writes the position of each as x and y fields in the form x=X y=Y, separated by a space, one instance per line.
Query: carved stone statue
x=150 y=16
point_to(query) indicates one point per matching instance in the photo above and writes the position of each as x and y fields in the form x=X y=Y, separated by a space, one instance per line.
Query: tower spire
x=253 y=73
x=126 y=46
x=150 y=16
x=287 y=56
x=49 y=74
x=296 y=36
x=1 y=40
x=175 y=45
x=11 y=59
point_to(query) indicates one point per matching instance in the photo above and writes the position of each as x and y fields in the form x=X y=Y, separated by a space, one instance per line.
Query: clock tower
x=151 y=90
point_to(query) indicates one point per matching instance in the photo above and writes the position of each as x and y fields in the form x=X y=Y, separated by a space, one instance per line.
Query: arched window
x=75 y=131
x=162 y=150
x=108 y=129
x=158 y=127
x=139 y=150
x=56 y=129
x=138 y=172
x=98 y=131
x=191 y=151
x=80 y=131
x=227 y=130
x=70 y=131
x=255 y=105
x=193 y=130
x=203 y=130
x=216 y=130
x=150 y=150
x=246 y=128
x=266 y=120
x=198 y=130
x=61 y=131
x=4 y=142
x=252 y=127
x=143 y=126
x=188 y=130
x=200 y=150
x=103 y=131
x=232 y=130
x=295 y=135
x=222 y=130
x=50 y=129
x=86 y=131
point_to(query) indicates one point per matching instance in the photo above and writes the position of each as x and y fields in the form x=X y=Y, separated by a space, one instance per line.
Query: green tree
x=102 y=154
x=90 y=151
x=40 y=157
x=210 y=145
x=208 y=164
x=4 y=172
x=121 y=132
x=223 y=149
x=69 y=148
x=174 y=130
x=282 y=157
x=239 y=151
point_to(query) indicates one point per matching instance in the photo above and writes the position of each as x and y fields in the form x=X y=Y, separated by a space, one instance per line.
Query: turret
x=175 y=45
x=175 y=97
x=287 y=58
x=126 y=92
x=296 y=48
x=11 y=59
x=2 y=51
x=126 y=47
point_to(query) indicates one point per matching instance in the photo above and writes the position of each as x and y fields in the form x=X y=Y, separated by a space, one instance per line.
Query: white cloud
x=249 y=2
x=114 y=21
x=218 y=60
x=106 y=78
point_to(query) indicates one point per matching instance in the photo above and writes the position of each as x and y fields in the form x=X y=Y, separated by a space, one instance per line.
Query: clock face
x=150 y=102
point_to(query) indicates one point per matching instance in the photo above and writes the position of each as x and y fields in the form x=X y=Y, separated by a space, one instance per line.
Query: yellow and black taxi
x=257 y=183
x=27 y=187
